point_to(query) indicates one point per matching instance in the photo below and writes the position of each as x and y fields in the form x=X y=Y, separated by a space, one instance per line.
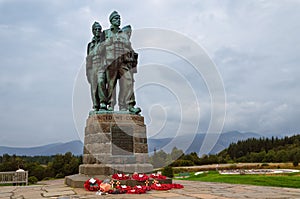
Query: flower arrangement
x=157 y=176
x=161 y=187
x=140 y=177
x=92 y=184
x=123 y=187
x=177 y=186
x=137 y=190
x=107 y=186
x=120 y=176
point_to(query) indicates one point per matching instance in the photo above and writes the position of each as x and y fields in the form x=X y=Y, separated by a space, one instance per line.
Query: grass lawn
x=279 y=180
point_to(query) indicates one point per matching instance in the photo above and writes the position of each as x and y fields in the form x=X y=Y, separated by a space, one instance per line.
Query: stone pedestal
x=114 y=143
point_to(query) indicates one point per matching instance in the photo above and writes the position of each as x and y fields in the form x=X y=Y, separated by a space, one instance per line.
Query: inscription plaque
x=122 y=140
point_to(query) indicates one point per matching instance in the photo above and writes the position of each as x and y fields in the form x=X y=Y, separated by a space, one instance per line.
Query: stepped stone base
x=113 y=143
x=78 y=180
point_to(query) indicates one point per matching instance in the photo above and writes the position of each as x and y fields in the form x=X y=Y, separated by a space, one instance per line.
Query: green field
x=291 y=180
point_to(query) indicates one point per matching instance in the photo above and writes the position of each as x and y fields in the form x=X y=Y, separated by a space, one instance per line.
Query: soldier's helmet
x=113 y=15
x=95 y=25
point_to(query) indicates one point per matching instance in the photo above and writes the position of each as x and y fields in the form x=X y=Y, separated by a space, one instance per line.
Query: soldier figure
x=120 y=59
x=95 y=69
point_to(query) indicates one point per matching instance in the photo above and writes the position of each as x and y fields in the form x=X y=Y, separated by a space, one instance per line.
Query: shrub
x=47 y=178
x=232 y=166
x=168 y=171
x=295 y=163
x=179 y=163
x=32 y=180
x=60 y=175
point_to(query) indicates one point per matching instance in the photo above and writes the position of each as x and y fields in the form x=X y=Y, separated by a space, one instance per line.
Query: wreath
x=137 y=190
x=123 y=187
x=120 y=176
x=161 y=187
x=177 y=186
x=157 y=176
x=140 y=177
x=92 y=184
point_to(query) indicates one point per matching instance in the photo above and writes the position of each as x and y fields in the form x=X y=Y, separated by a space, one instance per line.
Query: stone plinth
x=115 y=143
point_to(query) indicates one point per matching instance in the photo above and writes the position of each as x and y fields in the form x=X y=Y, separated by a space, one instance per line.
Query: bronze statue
x=113 y=59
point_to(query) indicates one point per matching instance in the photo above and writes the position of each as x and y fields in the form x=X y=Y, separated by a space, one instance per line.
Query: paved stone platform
x=56 y=189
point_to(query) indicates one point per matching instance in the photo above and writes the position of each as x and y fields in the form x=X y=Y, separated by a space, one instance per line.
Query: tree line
x=273 y=149
x=42 y=167
x=177 y=158
x=286 y=149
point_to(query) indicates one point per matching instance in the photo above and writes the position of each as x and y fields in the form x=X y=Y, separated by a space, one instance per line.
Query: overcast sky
x=254 y=44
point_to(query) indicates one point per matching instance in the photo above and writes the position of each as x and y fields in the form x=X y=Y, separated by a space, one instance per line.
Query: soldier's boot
x=135 y=110
x=110 y=108
x=103 y=107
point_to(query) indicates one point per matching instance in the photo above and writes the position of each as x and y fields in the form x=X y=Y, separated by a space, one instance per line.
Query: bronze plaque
x=122 y=140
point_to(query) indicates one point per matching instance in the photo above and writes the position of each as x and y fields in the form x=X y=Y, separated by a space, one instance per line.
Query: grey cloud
x=254 y=44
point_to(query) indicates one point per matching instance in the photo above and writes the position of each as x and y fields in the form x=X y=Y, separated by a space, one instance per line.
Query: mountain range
x=191 y=143
x=76 y=147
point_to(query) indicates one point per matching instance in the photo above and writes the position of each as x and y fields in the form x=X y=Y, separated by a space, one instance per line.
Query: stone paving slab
x=33 y=192
x=5 y=194
x=57 y=189
x=192 y=190
x=31 y=195
x=58 y=193
x=205 y=195
x=166 y=195
x=4 y=189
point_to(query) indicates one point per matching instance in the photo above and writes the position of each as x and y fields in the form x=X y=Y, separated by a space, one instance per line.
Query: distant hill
x=76 y=147
x=193 y=142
